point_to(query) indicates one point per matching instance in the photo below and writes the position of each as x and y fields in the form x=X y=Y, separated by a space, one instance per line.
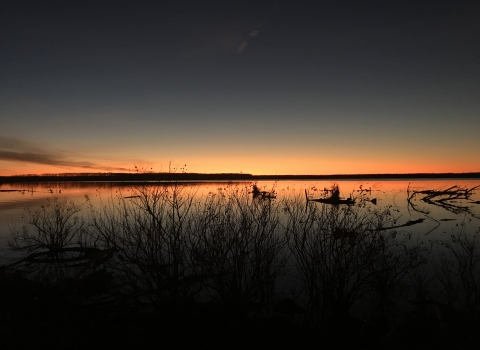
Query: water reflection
x=439 y=217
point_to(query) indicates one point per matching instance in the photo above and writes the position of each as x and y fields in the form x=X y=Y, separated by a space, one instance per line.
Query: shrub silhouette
x=342 y=254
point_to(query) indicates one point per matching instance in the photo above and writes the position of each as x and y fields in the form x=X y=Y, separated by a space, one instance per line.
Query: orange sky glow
x=255 y=166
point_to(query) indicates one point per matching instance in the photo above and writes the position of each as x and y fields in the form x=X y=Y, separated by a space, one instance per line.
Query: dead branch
x=408 y=223
x=446 y=199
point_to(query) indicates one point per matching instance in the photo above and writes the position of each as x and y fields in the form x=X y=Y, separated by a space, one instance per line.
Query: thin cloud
x=20 y=151
x=244 y=44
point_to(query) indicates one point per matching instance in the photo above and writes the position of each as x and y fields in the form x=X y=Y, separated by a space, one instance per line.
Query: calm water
x=438 y=222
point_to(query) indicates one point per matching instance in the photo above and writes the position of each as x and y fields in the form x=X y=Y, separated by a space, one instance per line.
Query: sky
x=259 y=87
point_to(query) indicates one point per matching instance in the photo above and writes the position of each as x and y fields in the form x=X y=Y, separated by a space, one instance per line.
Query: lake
x=439 y=219
x=259 y=250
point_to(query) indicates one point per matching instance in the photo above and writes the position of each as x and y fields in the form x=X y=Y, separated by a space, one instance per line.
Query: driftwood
x=408 y=223
x=335 y=200
x=332 y=196
x=262 y=194
x=447 y=199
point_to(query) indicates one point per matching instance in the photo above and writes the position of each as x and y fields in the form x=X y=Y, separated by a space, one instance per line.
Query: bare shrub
x=148 y=231
x=343 y=254
x=237 y=240
x=457 y=269
x=171 y=246
x=48 y=236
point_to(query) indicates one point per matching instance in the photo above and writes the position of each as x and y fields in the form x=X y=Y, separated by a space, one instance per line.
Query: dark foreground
x=62 y=317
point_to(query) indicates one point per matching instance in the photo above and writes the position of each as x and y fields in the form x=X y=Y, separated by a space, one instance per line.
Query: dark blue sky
x=253 y=86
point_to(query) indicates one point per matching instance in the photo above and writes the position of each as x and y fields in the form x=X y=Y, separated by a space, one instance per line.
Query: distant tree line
x=172 y=176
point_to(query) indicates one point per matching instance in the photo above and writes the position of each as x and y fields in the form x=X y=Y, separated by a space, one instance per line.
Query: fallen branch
x=445 y=199
x=408 y=223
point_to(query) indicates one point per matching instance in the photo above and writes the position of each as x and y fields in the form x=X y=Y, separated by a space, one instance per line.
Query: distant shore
x=187 y=177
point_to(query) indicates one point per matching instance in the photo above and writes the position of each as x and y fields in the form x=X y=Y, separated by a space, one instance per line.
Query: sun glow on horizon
x=249 y=165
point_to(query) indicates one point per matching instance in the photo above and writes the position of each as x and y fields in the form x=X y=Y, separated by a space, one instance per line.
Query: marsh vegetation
x=228 y=260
